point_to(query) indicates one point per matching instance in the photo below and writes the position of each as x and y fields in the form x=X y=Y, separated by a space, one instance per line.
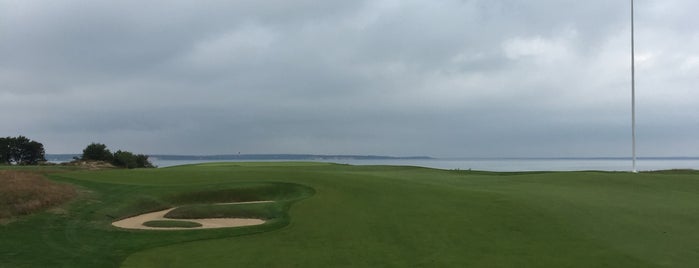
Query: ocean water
x=524 y=164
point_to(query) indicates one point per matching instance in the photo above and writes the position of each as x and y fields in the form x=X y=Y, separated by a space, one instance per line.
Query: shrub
x=142 y=161
x=97 y=152
x=21 y=150
x=129 y=160
x=124 y=159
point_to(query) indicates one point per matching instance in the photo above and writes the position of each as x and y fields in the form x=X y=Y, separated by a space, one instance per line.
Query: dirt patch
x=137 y=221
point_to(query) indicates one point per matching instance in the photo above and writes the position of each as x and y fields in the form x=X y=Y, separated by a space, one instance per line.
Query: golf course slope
x=330 y=215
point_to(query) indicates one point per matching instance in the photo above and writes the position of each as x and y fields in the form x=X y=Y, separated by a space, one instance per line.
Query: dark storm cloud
x=442 y=78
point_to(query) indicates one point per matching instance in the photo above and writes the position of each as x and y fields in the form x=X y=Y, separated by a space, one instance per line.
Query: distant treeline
x=21 y=150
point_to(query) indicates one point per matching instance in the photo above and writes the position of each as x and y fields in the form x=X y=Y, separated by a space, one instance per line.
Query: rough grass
x=23 y=192
x=172 y=224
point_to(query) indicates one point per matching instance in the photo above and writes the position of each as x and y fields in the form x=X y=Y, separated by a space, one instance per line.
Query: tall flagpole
x=633 y=94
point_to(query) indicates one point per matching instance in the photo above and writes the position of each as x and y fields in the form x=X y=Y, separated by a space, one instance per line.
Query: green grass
x=329 y=215
x=243 y=192
x=263 y=211
x=172 y=224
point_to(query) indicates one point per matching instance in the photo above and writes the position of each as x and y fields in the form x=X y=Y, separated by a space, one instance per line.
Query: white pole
x=633 y=94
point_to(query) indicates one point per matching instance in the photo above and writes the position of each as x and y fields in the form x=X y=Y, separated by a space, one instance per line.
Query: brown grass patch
x=24 y=192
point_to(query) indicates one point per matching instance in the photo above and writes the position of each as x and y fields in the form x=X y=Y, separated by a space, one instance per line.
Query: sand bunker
x=137 y=221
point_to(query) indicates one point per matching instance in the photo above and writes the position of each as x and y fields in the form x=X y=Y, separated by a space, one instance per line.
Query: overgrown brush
x=24 y=192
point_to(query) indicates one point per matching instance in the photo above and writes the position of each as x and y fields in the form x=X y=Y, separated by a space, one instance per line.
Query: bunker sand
x=138 y=221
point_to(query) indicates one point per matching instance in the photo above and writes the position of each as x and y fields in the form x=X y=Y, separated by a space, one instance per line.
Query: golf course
x=308 y=214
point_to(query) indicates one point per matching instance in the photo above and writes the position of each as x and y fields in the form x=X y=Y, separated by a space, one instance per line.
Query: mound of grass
x=244 y=192
x=172 y=224
x=264 y=211
x=202 y=204
x=137 y=206
x=24 y=192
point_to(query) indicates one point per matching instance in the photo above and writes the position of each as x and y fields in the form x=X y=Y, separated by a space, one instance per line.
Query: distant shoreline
x=463 y=163
x=69 y=157
x=223 y=157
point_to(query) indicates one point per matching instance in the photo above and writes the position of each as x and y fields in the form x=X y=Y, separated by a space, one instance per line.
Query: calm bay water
x=503 y=164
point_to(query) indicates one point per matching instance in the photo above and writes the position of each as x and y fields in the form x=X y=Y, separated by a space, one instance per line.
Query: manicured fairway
x=328 y=215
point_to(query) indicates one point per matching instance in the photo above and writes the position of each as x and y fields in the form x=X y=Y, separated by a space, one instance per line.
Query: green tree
x=97 y=152
x=31 y=153
x=124 y=159
x=5 y=152
x=21 y=150
x=142 y=161
x=37 y=152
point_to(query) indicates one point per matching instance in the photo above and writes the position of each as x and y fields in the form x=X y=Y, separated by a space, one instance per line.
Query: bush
x=21 y=150
x=97 y=152
x=142 y=161
x=124 y=159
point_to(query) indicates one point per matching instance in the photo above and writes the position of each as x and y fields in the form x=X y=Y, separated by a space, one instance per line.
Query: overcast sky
x=444 y=78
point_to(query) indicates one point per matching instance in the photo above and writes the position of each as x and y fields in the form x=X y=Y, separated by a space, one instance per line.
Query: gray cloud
x=441 y=78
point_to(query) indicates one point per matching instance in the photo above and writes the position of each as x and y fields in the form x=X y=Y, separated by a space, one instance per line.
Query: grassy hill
x=329 y=215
